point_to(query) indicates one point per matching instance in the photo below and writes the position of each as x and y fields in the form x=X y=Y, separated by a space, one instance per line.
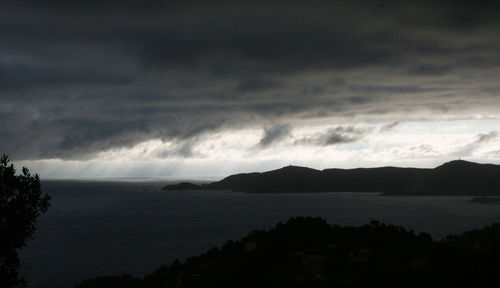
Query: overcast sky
x=209 y=88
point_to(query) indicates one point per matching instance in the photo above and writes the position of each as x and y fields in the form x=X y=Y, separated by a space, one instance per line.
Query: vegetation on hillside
x=308 y=252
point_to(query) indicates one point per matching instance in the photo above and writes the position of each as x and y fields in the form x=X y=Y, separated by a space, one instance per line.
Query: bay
x=131 y=226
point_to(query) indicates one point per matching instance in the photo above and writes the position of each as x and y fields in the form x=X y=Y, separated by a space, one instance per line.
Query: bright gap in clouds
x=413 y=143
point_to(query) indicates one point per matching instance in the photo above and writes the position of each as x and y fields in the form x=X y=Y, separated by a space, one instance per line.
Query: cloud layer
x=93 y=76
x=274 y=134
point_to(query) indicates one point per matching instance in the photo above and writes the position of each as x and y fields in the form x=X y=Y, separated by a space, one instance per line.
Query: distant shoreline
x=455 y=178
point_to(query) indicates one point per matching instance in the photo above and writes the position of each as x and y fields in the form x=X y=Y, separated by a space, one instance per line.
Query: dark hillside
x=307 y=252
x=452 y=178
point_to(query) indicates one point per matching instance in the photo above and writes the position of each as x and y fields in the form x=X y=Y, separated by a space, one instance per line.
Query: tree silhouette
x=21 y=202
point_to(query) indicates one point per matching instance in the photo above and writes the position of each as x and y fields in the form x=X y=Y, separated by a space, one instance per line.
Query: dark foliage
x=21 y=202
x=307 y=252
x=452 y=178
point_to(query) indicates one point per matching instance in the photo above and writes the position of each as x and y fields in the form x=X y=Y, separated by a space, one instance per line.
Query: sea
x=118 y=226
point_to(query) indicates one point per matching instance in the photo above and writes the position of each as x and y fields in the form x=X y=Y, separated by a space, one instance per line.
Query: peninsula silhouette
x=457 y=177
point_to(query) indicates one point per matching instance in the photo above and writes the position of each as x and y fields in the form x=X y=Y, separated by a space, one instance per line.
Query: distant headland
x=457 y=177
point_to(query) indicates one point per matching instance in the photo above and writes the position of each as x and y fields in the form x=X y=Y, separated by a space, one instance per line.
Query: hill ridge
x=457 y=177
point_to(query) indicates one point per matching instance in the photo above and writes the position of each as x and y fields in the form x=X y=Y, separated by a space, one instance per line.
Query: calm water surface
x=114 y=227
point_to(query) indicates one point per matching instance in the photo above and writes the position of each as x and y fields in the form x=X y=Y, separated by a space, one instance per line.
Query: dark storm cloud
x=431 y=69
x=377 y=89
x=256 y=85
x=481 y=139
x=275 y=134
x=184 y=149
x=19 y=76
x=389 y=127
x=80 y=77
x=334 y=136
x=485 y=137
x=89 y=132
x=342 y=135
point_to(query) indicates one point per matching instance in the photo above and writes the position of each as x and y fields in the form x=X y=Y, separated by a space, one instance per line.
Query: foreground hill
x=453 y=178
x=307 y=252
